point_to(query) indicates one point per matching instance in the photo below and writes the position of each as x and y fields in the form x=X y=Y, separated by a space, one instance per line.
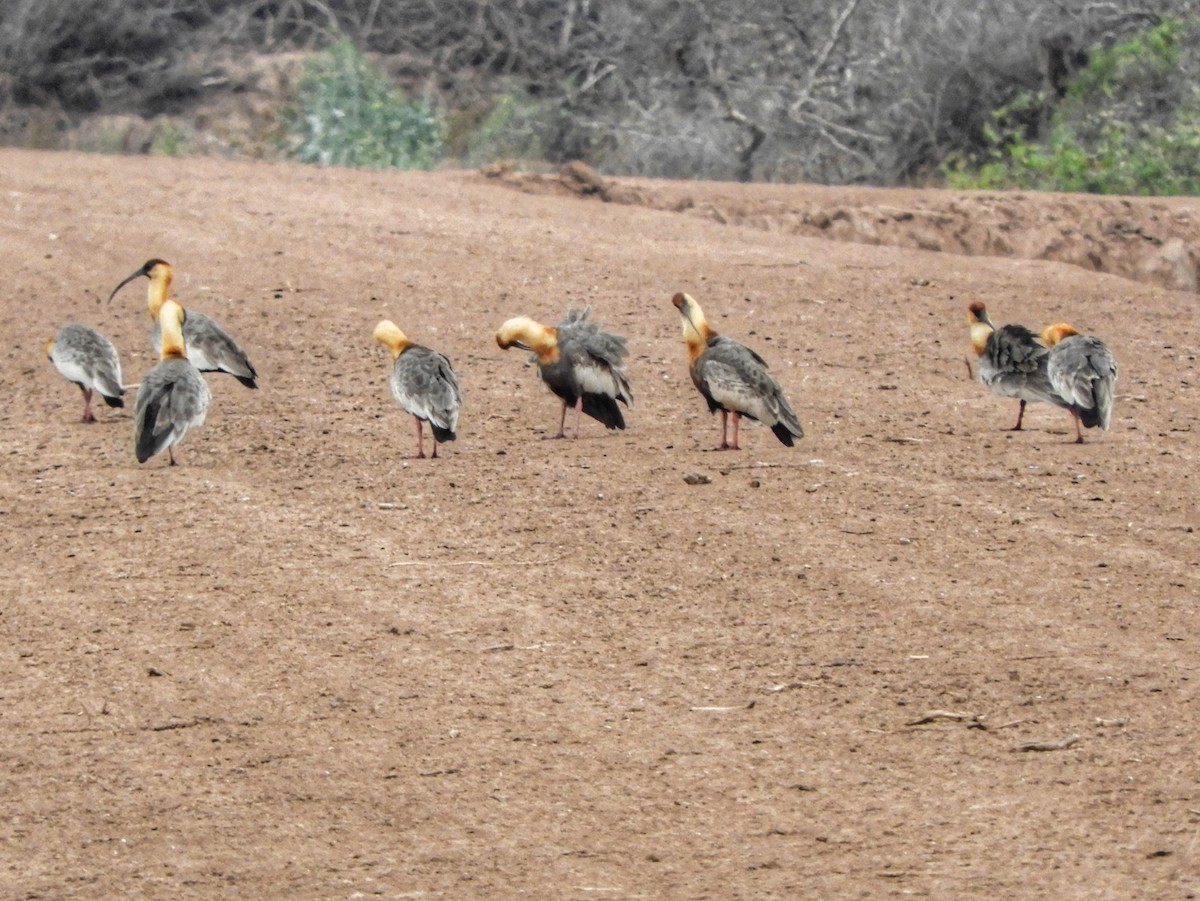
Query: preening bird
x=582 y=365
x=734 y=379
x=84 y=356
x=173 y=397
x=209 y=346
x=1083 y=372
x=1012 y=361
x=423 y=383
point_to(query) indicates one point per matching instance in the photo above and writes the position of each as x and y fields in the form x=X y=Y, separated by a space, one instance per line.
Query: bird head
x=527 y=334
x=389 y=335
x=1052 y=334
x=980 y=325
x=696 y=331
x=160 y=274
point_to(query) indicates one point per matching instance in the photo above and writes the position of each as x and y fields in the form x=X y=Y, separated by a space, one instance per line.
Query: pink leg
x=1078 y=430
x=736 y=417
x=562 y=420
x=88 y=415
x=724 y=423
x=578 y=407
x=420 y=440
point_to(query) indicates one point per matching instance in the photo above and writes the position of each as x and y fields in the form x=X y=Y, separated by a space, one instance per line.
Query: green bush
x=347 y=113
x=1129 y=124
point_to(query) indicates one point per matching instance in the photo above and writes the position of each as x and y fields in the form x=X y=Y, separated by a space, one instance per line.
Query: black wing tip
x=114 y=401
x=248 y=381
x=442 y=435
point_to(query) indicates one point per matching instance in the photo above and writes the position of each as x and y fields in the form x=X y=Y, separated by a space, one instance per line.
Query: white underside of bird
x=84 y=356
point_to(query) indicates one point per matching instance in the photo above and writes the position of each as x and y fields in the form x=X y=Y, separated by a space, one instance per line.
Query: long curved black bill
x=137 y=274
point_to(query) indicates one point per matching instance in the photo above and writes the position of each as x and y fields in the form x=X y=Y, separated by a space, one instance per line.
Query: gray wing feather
x=737 y=379
x=85 y=356
x=172 y=398
x=1082 y=370
x=596 y=357
x=424 y=384
x=1014 y=364
x=211 y=349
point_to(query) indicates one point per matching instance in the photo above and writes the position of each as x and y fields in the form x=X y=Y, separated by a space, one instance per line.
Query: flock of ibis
x=584 y=366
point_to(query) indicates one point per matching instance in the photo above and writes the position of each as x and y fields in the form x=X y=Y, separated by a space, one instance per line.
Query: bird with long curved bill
x=209 y=346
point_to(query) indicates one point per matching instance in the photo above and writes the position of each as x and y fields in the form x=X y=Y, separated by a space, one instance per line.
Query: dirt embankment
x=1151 y=241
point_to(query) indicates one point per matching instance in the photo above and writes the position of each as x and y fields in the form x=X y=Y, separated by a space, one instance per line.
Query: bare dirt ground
x=302 y=665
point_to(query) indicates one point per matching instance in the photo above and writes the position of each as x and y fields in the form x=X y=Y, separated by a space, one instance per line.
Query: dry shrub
x=833 y=90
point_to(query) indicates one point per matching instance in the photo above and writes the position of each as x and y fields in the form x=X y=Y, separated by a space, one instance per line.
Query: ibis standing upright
x=423 y=383
x=1012 y=361
x=84 y=356
x=209 y=346
x=1083 y=372
x=173 y=397
x=582 y=365
x=733 y=379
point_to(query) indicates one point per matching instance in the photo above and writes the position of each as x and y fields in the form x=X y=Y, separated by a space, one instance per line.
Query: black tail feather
x=113 y=401
x=784 y=434
x=1090 y=417
x=149 y=442
x=603 y=409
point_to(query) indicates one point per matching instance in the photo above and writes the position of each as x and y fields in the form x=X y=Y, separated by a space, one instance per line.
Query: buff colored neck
x=390 y=336
x=545 y=345
x=1055 y=333
x=541 y=339
x=160 y=288
x=696 y=333
x=980 y=332
x=170 y=319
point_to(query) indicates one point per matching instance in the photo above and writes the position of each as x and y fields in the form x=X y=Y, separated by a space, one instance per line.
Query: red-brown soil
x=303 y=665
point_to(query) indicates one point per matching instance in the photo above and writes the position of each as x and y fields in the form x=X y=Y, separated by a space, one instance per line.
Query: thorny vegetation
x=836 y=91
